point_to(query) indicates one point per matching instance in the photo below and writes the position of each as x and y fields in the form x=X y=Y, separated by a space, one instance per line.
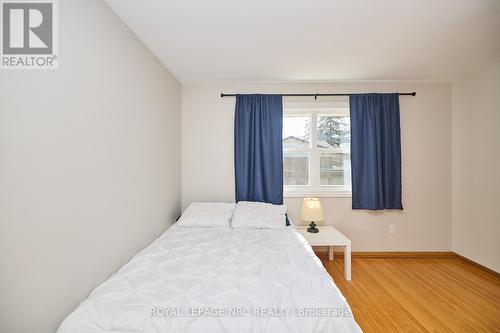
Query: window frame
x=313 y=110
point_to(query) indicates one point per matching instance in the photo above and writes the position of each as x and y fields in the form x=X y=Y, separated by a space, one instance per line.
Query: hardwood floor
x=419 y=294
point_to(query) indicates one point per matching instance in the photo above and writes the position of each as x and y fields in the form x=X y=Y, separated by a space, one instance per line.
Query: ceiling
x=280 y=40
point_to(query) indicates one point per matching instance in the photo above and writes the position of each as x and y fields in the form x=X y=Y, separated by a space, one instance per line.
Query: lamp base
x=312 y=228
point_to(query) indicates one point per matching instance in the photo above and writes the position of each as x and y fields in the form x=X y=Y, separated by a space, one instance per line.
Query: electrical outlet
x=392 y=228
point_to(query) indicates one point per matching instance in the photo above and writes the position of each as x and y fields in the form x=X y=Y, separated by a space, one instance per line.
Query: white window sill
x=339 y=194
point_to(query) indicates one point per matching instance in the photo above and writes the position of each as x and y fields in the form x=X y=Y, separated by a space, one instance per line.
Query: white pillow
x=258 y=215
x=207 y=214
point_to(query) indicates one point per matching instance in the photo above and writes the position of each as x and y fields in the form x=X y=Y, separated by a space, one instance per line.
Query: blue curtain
x=375 y=151
x=258 y=151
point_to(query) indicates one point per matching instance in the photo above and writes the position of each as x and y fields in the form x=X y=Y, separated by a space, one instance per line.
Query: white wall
x=425 y=224
x=476 y=167
x=89 y=166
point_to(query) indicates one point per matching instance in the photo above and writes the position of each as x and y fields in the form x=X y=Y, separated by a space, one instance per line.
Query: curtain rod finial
x=413 y=93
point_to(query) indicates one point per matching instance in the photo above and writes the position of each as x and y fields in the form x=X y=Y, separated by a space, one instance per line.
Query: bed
x=217 y=280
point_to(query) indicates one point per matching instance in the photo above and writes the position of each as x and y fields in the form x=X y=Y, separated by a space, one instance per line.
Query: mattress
x=217 y=280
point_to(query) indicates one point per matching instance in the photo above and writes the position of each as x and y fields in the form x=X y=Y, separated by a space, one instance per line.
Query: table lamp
x=312 y=211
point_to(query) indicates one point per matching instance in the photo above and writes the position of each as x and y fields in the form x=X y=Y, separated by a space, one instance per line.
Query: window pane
x=295 y=132
x=335 y=169
x=333 y=132
x=296 y=168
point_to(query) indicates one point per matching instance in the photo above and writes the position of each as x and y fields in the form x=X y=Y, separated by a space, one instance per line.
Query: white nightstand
x=329 y=236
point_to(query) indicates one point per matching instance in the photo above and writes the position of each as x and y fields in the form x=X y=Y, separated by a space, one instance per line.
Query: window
x=316 y=150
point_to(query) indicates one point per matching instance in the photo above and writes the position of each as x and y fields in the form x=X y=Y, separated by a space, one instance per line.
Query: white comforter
x=217 y=280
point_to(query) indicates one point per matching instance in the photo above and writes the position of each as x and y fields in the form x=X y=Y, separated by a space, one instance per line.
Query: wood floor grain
x=419 y=295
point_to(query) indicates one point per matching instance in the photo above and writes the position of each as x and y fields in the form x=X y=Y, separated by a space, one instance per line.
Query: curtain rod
x=319 y=95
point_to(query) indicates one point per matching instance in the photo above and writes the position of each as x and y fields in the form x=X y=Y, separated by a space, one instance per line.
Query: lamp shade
x=312 y=210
